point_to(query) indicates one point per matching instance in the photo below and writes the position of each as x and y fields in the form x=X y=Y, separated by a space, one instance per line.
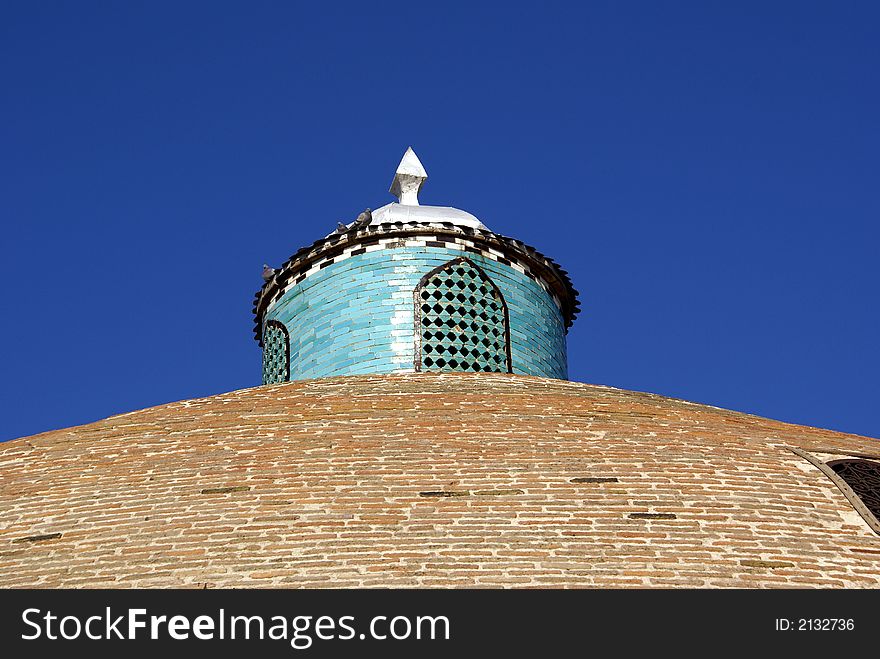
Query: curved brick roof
x=431 y=480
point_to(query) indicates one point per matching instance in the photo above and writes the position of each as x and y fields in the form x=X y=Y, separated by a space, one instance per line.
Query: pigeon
x=268 y=272
x=341 y=228
x=363 y=219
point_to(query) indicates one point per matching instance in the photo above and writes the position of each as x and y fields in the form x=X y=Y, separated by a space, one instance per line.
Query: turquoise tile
x=340 y=318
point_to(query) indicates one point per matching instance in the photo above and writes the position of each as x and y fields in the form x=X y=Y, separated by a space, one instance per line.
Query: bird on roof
x=341 y=228
x=268 y=272
x=363 y=219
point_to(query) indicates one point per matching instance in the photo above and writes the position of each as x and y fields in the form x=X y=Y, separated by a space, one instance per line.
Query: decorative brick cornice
x=339 y=246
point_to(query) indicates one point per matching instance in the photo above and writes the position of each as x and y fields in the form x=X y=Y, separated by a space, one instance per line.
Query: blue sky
x=707 y=173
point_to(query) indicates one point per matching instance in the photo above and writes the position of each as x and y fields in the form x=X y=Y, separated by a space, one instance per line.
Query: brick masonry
x=438 y=480
x=356 y=315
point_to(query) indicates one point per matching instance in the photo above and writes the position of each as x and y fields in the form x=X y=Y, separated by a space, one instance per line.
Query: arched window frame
x=867 y=510
x=854 y=499
x=279 y=325
x=417 y=304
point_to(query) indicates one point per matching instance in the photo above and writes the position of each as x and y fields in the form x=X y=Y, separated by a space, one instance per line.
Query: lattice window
x=276 y=353
x=461 y=321
x=863 y=476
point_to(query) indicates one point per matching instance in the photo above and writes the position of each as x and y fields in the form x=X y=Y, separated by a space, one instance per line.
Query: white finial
x=408 y=179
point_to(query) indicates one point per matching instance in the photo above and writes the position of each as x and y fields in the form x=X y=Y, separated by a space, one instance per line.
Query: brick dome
x=425 y=479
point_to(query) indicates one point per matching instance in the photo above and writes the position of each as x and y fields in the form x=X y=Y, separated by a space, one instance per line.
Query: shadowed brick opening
x=226 y=490
x=477 y=493
x=39 y=538
x=595 y=479
x=496 y=493
x=461 y=321
x=770 y=565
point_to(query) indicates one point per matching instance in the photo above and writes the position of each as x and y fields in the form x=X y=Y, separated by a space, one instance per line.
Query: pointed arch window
x=863 y=477
x=276 y=353
x=461 y=321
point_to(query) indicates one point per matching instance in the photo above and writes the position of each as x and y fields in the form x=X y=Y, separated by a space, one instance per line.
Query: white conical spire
x=408 y=179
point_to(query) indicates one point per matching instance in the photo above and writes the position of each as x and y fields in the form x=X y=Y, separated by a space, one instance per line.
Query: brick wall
x=485 y=480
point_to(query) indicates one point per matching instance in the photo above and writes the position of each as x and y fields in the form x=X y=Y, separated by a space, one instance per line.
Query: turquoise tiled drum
x=414 y=288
